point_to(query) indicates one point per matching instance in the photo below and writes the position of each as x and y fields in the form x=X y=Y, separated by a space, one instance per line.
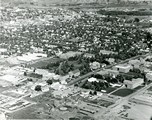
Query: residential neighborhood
x=76 y=61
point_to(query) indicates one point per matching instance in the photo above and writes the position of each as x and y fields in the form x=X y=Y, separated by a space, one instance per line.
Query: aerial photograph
x=75 y=59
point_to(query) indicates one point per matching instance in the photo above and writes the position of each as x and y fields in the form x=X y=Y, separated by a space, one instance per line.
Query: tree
x=25 y=73
x=107 y=84
x=95 y=92
x=136 y=20
x=120 y=78
x=145 y=79
x=30 y=79
x=75 y=85
x=34 y=70
x=49 y=82
x=38 y=88
x=71 y=67
x=148 y=36
x=90 y=93
x=118 y=1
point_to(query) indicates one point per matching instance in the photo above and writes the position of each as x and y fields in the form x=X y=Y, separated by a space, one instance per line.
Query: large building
x=125 y=68
x=133 y=83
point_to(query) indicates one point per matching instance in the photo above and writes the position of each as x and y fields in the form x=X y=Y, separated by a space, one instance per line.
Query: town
x=75 y=63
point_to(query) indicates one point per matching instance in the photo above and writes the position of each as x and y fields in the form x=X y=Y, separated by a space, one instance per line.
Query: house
x=136 y=63
x=94 y=65
x=113 y=72
x=88 y=55
x=149 y=76
x=125 y=68
x=111 y=60
x=58 y=86
x=92 y=79
x=3 y=50
x=75 y=73
x=106 y=52
x=102 y=72
x=103 y=65
x=133 y=83
x=45 y=88
x=82 y=50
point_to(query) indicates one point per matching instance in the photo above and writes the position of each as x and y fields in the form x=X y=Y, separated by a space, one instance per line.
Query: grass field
x=44 y=63
x=123 y=92
x=25 y=113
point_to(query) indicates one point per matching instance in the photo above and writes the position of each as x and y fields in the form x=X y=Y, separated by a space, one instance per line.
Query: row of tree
x=39 y=87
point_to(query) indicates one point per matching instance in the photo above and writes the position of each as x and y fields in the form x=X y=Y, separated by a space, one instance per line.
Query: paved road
x=121 y=102
x=93 y=72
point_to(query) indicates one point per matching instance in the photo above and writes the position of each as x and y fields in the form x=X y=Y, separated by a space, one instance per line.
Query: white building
x=111 y=60
x=88 y=55
x=108 y=71
x=135 y=63
x=3 y=50
x=106 y=52
x=11 y=79
x=45 y=88
x=133 y=83
x=2 y=116
x=123 y=68
x=75 y=73
x=149 y=76
x=92 y=79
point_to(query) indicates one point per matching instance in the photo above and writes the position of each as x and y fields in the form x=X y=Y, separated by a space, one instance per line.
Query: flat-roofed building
x=133 y=83
x=3 y=50
x=75 y=73
x=136 y=63
x=11 y=79
x=106 y=52
x=125 y=68
x=89 y=55
x=102 y=72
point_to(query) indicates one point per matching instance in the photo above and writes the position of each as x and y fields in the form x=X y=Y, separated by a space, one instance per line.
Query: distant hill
x=72 y=1
x=57 y=1
x=50 y=2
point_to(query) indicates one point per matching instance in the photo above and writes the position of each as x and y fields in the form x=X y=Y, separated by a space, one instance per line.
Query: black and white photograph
x=75 y=59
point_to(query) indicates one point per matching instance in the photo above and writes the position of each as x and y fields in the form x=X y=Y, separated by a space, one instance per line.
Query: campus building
x=125 y=68
x=133 y=83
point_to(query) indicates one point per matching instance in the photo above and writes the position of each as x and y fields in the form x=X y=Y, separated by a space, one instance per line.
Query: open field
x=43 y=63
x=25 y=114
x=123 y=92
